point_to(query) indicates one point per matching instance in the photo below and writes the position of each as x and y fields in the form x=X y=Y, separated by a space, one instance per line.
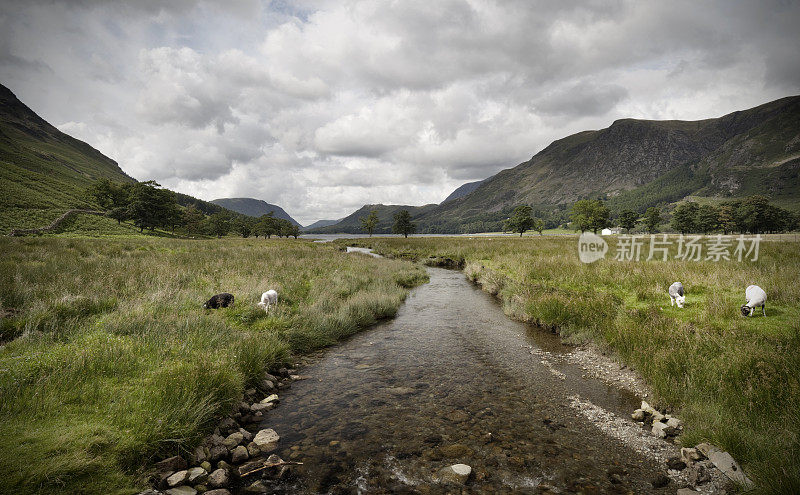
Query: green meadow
x=735 y=381
x=108 y=362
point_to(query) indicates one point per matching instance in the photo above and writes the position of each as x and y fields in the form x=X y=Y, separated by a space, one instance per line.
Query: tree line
x=149 y=206
x=752 y=215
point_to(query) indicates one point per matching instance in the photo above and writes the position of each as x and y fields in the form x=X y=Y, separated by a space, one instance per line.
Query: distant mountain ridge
x=351 y=224
x=321 y=223
x=641 y=163
x=463 y=190
x=634 y=164
x=254 y=208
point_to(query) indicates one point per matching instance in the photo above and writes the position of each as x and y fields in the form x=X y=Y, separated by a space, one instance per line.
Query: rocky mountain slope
x=641 y=163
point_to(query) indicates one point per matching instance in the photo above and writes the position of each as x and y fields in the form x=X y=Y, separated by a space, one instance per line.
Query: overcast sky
x=323 y=106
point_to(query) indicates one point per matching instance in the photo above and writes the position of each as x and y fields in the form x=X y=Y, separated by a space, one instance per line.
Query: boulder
x=181 y=490
x=261 y=407
x=206 y=465
x=725 y=463
x=219 y=478
x=674 y=423
x=200 y=454
x=705 y=448
x=220 y=491
x=698 y=473
x=269 y=399
x=228 y=426
x=239 y=454
x=257 y=487
x=218 y=452
x=690 y=455
x=266 y=440
x=178 y=478
x=638 y=415
x=252 y=449
x=197 y=475
x=246 y=435
x=171 y=464
x=659 y=429
x=687 y=491
x=232 y=440
x=457 y=474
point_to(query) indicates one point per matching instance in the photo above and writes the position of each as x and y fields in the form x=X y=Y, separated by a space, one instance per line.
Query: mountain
x=463 y=190
x=254 y=208
x=43 y=172
x=321 y=223
x=640 y=163
x=351 y=224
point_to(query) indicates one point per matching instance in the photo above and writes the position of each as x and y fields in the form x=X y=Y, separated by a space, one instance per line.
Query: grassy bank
x=735 y=380
x=109 y=362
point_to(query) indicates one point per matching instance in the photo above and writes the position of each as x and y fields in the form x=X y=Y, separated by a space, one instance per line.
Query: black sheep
x=222 y=300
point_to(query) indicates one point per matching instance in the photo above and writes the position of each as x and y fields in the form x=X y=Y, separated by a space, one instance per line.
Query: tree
x=707 y=219
x=538 y=225
x=219 y=224
x=756 y=215
x=149 y=206
x=267 y=225
x=520 y=220
x=589 y=214
x=652 y=219
x=403 y=224
x=243 y=226
x=726 y=217
x=627 y=220
x=193 y=220
x=684 y=218
x=369 y=222
x=119 y=214
x=108 y=194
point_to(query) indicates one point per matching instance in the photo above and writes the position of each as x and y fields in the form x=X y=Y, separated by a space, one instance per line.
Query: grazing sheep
x=268 y=299
x=755 y=297
x=222 y=300
x=676 y=294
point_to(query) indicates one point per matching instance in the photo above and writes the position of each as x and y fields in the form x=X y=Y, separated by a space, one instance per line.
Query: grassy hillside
x=114 y=364
x=735 y=381
x=43 y=171
x=253 y=208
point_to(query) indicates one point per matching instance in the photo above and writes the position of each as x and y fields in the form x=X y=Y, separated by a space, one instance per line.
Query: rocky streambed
x=450 y=396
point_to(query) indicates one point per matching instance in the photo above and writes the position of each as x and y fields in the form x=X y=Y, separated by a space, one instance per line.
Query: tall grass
x=110 y=362
x=735 y=380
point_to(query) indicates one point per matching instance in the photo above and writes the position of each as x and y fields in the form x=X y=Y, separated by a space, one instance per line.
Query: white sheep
x=676 y=294
x=755 y=297
x=268 y=299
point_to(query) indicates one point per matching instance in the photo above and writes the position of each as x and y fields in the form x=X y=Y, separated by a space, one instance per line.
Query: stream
x=451 y=379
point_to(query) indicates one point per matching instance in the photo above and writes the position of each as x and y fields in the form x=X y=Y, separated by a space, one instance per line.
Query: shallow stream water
x=451 y=379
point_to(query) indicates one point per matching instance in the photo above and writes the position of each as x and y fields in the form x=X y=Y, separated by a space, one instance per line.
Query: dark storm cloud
x=322 y=106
